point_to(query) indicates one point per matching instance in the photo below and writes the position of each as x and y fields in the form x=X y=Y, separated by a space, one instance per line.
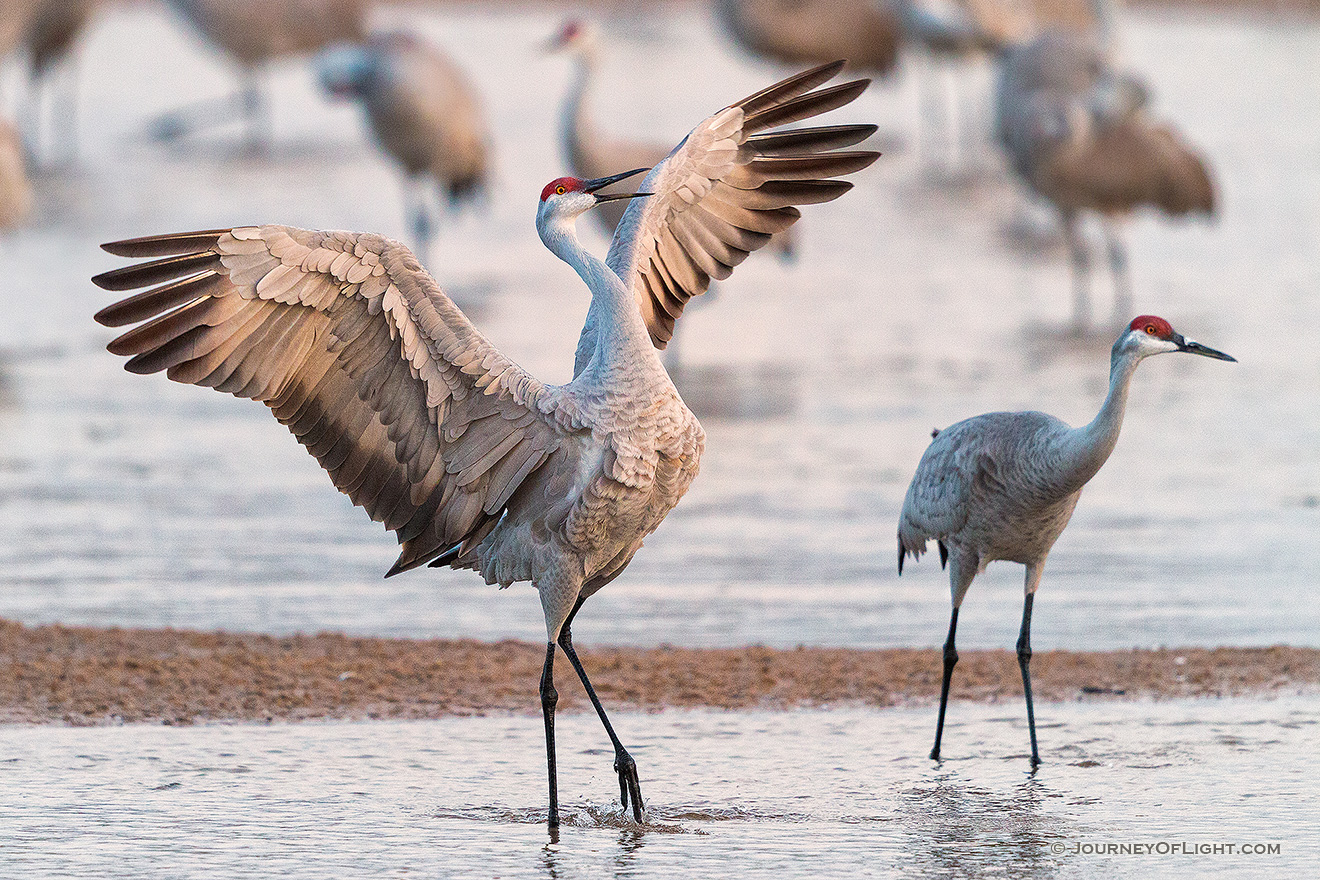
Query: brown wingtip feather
x=790 y=87
x=167 y=245
x=156 y=271
x=157 y=300
x=805 y=106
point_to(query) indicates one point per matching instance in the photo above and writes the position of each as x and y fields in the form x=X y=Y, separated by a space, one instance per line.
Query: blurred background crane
x=864 y=32
x=15 y=191
x=43 y=33
x=254 y=34
x=1076 y=132
x=424 y=112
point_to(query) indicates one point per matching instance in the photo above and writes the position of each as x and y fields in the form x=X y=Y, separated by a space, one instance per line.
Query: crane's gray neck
x=574 y=126
x=616 y=347
x=1086 y=449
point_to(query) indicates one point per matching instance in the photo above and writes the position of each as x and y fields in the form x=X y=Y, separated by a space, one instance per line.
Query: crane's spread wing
x=728 y=187
x=357 y=350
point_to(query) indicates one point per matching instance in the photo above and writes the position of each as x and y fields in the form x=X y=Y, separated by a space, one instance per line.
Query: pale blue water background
x=133 y=501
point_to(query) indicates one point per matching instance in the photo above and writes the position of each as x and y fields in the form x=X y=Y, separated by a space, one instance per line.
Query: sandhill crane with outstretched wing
x=472 y=462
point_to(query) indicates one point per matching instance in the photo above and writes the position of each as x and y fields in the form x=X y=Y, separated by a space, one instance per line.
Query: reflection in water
x=558 y=859
x=782 y=796
x=960 y=829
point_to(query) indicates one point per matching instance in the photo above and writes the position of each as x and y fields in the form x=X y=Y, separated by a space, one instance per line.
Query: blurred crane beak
x=1191 y=347
x=591 y=186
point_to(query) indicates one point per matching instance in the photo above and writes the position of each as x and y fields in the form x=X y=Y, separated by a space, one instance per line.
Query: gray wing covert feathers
x=937 y=499
x=729 y=186
x=356 y=349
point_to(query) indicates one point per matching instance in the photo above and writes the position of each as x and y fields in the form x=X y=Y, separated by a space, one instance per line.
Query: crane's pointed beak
x=601 y=182
x=615 y=198
x=1191 y=347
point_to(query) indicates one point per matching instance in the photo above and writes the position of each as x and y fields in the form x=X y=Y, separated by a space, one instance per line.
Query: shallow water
x=133 y=501
x=843 y=792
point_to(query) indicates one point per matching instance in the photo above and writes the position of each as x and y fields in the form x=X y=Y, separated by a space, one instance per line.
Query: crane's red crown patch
x=565 y=185
x=1154 y=326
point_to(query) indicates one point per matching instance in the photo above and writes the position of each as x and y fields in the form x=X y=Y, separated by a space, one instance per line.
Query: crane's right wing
x=357 y=350
x=728 y=187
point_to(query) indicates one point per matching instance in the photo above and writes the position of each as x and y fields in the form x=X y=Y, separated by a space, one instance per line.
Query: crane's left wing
x=414 y=414
x=729 y=186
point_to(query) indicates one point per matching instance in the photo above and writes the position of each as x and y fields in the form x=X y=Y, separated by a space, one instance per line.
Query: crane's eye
x=1150 y=328
x=560 y=190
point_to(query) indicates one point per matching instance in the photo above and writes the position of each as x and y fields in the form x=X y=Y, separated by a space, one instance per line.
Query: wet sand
x=85 y=675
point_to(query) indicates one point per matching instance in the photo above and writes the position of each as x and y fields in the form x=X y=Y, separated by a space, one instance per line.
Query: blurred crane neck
x=575 y=128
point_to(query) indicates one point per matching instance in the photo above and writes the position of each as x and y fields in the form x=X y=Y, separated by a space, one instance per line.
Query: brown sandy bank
x=85 y=675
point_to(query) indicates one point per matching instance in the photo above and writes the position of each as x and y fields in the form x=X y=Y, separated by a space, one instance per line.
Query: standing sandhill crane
x=1077 y=133
x=866 y=32
x=424 y=113
x=1003 y=486
x=418 y=418
x=15 y=191
x=254 y=33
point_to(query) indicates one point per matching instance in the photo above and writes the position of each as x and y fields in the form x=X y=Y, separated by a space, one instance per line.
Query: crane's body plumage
x=419 y=419
x=254 y=32
x=989 y=488
x=1003 y=486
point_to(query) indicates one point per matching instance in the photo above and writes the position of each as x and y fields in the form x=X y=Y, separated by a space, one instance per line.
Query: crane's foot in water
x=630 y=787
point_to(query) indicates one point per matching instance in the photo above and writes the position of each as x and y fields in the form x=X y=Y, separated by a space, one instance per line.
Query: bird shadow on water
x=959 y=829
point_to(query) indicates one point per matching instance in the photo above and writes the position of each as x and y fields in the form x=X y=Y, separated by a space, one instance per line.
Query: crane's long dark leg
x=1024 y=661
x=1118 y=267
x=549 y=698
x=950 y=660
x=630 y=787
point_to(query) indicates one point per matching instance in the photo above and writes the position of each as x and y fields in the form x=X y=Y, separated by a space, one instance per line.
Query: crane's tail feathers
x=944 y=555
x=902 y=553
x=409 y=558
